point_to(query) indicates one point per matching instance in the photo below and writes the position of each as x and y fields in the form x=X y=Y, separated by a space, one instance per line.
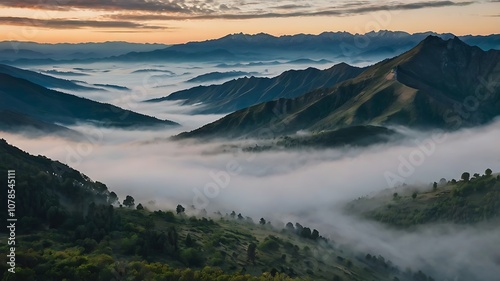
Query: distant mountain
x=15 y=50
x=174 y=55
x=214 y=76
x=334 y=46
x=114 y=87
x=245 y=92
x=50 y=106
x=42 y=79
x=431 y=85
x=381 y=44
x=309 y=61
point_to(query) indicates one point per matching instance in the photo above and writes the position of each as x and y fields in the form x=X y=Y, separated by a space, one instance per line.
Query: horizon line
x=249 y=34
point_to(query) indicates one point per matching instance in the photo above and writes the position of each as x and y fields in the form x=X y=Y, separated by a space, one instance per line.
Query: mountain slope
x=461 y=202
x=42 y=79
x=42 y=184
x=241 y=93
x=15 y=122
x=421 y=88
x=50 y=106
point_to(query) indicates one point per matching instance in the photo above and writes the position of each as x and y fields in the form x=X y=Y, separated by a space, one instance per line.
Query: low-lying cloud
x=300 y=186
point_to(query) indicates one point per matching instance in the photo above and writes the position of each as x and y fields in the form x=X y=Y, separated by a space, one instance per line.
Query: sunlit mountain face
x=250 y=140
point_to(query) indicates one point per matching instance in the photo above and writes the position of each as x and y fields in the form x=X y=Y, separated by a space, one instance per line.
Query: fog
x=310 y=187
x=305 y=186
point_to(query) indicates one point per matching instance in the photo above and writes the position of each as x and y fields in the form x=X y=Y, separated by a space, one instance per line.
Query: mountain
x=428 y=86
x=168 y=54
x=51 y=106
x=15 y=122
x=327 y=44
x=45 y=189
x=214 y=76
x=42 y=79
x=333 y=46
x=16 y=50
x=244 y=92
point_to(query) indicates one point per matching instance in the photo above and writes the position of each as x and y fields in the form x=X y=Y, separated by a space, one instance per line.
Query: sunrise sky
x=177 y=21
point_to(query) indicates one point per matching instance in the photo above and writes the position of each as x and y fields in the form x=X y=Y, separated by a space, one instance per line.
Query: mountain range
x=381 y=44
x=16 y=50
x=244 y=92
x=339 y=46
x=37 y=107
x=438 y=84
x=43 y=80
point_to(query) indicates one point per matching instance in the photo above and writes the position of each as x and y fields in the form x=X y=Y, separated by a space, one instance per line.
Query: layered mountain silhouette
x=16 y=50
x=38 y=106
x=438 y=84
x=42 y=79
x=372 y=46
x=244 y=92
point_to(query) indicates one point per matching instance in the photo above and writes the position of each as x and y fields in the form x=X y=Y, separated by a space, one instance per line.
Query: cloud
x=309 y=187
x=136 y=5
x=292 y=10
x=71 y=24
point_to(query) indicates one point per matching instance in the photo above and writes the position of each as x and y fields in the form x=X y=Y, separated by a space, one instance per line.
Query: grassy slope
x=457 y=202
x=220 y=244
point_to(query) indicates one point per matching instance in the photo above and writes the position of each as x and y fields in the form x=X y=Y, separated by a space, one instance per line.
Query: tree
x=298 y=228
x=262 y=221
x=315 y=234
x=435 y=186
x=240 y=217
x=414 y=195
x=140 y=207
x=251 y=252
x=129 y=201
x=488 y=172
x=289 y=227
x=306 y=232
x=442 y=181
x=113 y=198
x=180 y=209
x=395 y=196
x=233 y=214
x=465 y=177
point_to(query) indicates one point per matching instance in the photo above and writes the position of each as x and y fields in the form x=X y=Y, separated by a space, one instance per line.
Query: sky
x=178 y=21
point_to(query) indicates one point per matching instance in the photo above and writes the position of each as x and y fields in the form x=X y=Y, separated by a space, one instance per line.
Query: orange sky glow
x=96 y=24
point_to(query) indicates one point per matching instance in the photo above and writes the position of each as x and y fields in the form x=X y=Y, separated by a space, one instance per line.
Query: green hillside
x=470 y=200
x=67 y=230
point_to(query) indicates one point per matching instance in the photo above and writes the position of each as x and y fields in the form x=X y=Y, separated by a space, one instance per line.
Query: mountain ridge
x=381 y=95
x=243 y=92
x=24 y=97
